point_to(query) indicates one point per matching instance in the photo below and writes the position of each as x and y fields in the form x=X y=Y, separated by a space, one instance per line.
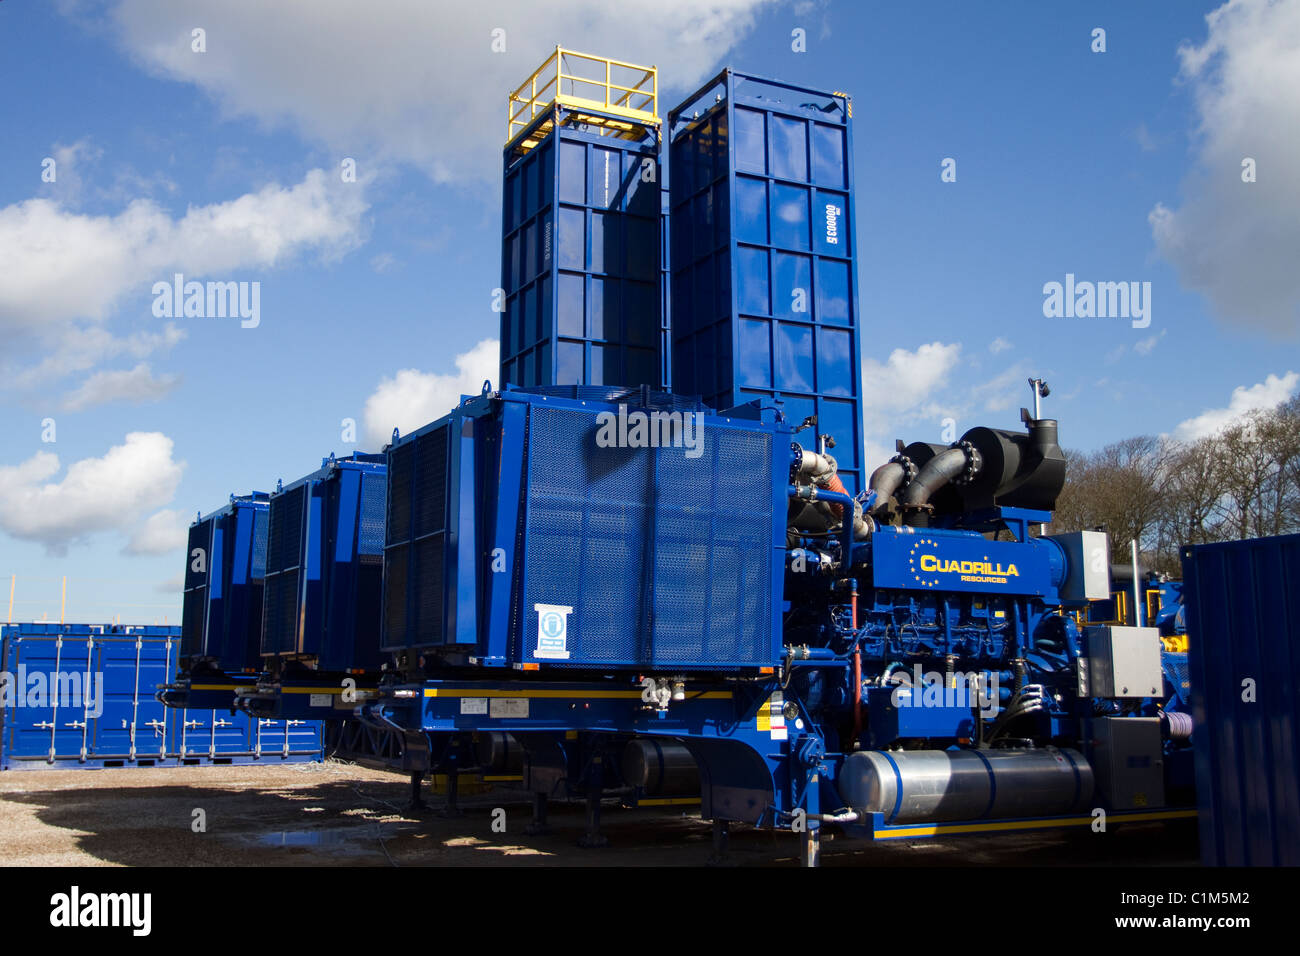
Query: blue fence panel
x=1242 y=600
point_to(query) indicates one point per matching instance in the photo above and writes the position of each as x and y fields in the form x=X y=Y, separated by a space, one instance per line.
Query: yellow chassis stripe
x=667 y=801
x=941 y=828
x=562 y=694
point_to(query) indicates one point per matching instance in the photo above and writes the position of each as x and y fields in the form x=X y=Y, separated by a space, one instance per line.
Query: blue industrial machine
x=610 y=587
x=80 y=695
x=580 y=265
x=225 y=562
x=324 y=567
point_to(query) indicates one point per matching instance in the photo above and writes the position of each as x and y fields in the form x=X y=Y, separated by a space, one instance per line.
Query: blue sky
x=1121 y=165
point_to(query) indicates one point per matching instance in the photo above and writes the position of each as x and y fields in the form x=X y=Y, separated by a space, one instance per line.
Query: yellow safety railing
x=580 y=81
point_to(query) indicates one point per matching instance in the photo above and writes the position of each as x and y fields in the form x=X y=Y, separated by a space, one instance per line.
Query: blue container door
x=133 y=724
x=48 y=721
x=284 y=738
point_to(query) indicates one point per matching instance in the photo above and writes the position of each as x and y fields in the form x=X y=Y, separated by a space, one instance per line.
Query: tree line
x=1240 y=482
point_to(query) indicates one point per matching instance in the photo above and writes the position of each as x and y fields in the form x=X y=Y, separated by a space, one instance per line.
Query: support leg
x=593 y=838
x=538 y=826
x=453 y=791
x=417 y=799
x=721 y=837
x=810 y=845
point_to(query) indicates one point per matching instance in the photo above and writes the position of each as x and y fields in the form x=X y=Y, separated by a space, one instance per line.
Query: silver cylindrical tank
x=500 y=753
x=660 y=767
x=911 y=786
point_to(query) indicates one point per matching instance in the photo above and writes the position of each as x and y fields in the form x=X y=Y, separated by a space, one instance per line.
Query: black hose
x=886 y=479
x=934 y=474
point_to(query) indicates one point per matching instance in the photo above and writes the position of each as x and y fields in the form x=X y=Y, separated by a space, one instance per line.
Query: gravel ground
x=337 y=813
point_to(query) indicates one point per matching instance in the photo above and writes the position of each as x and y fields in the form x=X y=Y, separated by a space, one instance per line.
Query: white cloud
x=1230 y=240
x=412 y=398
x=82 y=347
x=95 y=494
x=136 y=385
x=63 y=266
x=1147 y=345
x=906 y=388
x=162 y=532
x=411 y=80
x=1270 y=393
x=999 y=345
x=906 y=381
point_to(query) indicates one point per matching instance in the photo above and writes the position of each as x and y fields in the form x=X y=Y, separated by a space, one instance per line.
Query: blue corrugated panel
x=221 y=620
x=79 y=695
x=764 y=287
x=1243 y=626
x=324 y=565
x=512 y=507
x=581 y=255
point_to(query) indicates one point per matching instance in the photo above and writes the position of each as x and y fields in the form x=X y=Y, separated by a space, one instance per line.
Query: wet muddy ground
x=340 y=814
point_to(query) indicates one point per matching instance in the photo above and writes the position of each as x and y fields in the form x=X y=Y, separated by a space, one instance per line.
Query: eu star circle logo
x=920 y=548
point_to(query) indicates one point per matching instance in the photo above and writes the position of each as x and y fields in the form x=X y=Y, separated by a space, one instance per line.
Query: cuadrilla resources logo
x=928 y=567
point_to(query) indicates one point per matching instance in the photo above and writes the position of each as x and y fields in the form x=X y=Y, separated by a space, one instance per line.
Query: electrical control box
x=1087 y=562
x=1127 y=759
x=1122 y=662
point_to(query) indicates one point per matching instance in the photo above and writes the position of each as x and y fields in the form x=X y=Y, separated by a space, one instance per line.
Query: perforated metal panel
x=414 y=559
x=664 y=558
x=284 y=556
x=194 y=609
x=374 y=492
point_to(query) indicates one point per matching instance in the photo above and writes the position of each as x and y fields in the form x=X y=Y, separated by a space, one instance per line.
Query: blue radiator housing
x=516 y=539
x=225 y=563
x=764 y=280
x=324 y=563
x=580 y=265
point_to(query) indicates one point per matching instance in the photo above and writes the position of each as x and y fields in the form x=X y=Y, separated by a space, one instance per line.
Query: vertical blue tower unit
x=224 y=566
x=764 y=287
x=581 y=268
x=324 y=566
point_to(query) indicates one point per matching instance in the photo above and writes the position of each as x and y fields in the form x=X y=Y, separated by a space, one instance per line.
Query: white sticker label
x=322 y=700
x=776 y=710
x=552 y=631
x=473 y=705
x=509 y=707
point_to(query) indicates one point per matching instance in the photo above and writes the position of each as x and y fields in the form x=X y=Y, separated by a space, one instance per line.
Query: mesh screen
x=664 y=558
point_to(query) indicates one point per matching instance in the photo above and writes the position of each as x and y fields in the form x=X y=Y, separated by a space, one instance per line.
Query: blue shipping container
x=1242 y=600
x=324 y=565
x=79 y=695
x=764 y=284
x=221 y=619
x=581 y=243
